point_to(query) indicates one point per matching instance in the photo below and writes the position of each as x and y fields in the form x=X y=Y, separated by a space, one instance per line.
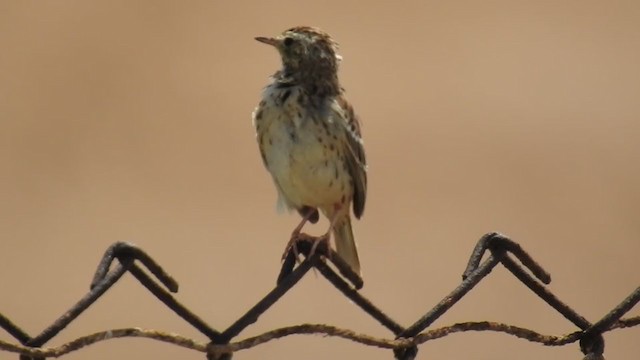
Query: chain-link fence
x=405 y=342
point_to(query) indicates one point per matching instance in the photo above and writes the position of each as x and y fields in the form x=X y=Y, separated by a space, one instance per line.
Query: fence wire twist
x=500 y=249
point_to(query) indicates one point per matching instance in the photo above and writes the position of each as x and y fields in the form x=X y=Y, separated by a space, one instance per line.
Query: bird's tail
x=345 y=243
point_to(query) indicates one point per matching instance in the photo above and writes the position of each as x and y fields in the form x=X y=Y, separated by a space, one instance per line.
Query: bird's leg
x=326 y=237
x=292 y=245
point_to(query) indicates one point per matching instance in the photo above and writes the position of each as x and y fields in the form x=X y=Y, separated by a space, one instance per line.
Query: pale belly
x=306 y=171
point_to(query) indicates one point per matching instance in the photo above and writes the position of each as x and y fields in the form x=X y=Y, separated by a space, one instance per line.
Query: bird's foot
x=292 y=246
x=326 y=239
x=320 y=243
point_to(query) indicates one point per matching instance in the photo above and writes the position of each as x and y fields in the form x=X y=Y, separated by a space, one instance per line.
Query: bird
x=310 y=139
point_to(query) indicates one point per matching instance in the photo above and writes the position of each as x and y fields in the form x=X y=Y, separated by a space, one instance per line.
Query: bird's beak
x=267 y=40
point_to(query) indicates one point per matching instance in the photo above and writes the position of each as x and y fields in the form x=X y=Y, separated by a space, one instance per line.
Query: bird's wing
x=356 y=161
x=256 y=117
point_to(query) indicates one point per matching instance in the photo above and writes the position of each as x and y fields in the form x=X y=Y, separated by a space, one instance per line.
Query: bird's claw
x=317 y=241
x=292 y=245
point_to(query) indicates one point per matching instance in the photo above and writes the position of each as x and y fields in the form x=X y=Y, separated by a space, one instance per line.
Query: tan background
x=126 y=120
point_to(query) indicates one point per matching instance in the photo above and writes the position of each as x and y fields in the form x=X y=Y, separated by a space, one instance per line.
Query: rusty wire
x=219 y=344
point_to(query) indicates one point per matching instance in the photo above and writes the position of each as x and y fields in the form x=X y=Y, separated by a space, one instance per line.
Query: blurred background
x=131 y=121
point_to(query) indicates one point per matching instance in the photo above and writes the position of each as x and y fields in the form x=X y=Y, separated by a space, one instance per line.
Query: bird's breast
x=297 y=149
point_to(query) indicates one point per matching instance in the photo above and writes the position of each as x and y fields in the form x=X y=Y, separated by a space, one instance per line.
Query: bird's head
x=306 y=50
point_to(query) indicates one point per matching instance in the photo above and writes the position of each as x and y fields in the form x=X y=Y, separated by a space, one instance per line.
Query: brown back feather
x=356 y=160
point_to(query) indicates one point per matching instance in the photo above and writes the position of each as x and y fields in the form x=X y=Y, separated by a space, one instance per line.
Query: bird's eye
x=287 y=41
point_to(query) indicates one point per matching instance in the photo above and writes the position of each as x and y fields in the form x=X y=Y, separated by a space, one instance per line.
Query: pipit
x=309 y=138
